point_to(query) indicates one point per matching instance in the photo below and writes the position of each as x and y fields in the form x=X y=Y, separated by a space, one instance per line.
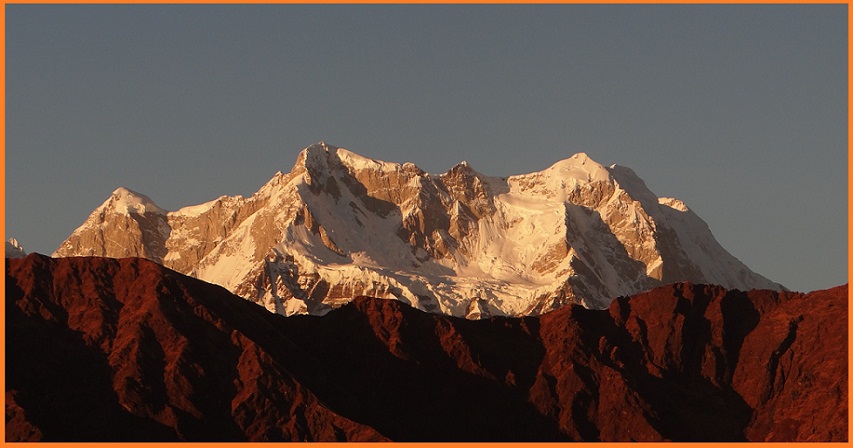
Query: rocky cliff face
x=127 y=224
x=126 y=350
x=339 y=225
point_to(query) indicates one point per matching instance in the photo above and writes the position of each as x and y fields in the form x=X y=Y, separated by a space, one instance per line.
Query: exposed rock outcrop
x=576 y=232
x=126 y=350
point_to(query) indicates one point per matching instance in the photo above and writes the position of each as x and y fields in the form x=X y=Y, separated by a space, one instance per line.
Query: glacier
x=339 y=225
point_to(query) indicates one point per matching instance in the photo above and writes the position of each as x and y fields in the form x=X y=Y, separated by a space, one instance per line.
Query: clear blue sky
x=740 y=111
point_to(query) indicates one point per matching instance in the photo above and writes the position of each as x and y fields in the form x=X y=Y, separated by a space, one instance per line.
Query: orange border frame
x=404 y=444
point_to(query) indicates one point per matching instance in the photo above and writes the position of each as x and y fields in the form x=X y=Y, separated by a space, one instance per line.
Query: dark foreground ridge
x=126 y=350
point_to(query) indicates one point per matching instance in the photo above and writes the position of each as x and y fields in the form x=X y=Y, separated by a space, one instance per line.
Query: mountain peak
x=322 y=156
x=311 y=153
x=124 y=191
x=341 y=224
x=14 y=249
x=580 y=167
x=126 y=201
x=359 y=162
x=463 y=166
x=320 y=146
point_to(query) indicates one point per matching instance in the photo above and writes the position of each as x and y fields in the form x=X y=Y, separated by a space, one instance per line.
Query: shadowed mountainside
x=127 y=350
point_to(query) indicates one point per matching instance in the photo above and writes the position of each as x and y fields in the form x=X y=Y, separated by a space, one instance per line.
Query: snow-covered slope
x=340 y=225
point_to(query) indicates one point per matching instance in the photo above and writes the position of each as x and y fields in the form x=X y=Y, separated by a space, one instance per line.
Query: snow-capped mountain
x=340 y=225
x=14 y=249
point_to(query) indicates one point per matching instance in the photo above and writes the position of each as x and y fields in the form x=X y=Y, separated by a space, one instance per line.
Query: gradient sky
x=740 y=111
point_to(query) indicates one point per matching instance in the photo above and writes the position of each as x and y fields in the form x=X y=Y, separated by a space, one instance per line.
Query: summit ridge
x=340 y=225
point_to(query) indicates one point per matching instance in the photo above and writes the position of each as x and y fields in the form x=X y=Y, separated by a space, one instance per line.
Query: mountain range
x=339 y=225
x=101 y=349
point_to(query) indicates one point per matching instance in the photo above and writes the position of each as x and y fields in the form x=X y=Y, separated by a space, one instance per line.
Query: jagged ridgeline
x=126 y=350
x=339 y=225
